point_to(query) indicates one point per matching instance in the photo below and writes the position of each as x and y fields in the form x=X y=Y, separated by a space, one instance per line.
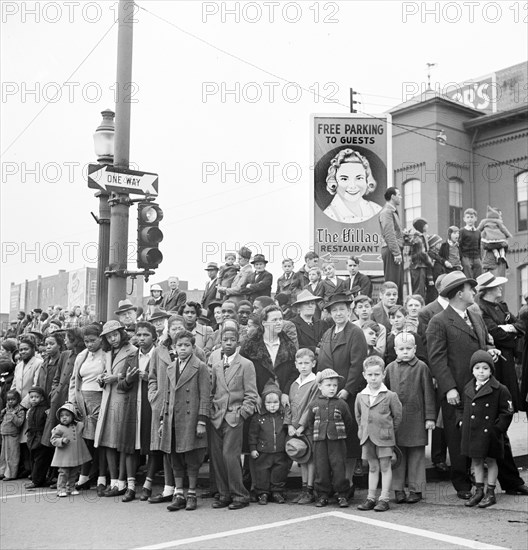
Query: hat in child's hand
x=298 y=448
x=396 y=457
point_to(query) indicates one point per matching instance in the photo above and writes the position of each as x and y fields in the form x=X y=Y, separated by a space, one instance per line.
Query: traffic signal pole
x=120 y=202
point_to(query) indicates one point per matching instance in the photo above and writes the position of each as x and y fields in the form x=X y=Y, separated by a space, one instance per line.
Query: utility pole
x=120 y=202
x=352 y=101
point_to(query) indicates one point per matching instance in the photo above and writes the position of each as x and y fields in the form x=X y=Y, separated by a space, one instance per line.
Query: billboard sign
x=352 y=160
x=76 y=288
x=480 y=94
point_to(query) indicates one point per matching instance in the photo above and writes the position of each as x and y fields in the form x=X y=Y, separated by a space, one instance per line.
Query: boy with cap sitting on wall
x=330 y=418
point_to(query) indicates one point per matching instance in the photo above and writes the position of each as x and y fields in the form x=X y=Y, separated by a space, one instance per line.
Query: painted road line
x=457 y=541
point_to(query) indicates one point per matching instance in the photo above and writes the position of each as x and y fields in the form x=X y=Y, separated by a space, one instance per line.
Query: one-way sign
x=122 y=180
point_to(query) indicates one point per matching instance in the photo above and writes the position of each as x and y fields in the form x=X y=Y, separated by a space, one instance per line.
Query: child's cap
x=298 y=448
x=493 y=213
x=434 y=240
x=419 y=224
x=326 y=373
x=37 y=389
x=452 y=229
x=245 y=252
x=70 y=407
x=271 y=388
x=481 y=356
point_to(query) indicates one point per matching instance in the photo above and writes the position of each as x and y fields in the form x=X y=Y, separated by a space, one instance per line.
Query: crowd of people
x=318 y=375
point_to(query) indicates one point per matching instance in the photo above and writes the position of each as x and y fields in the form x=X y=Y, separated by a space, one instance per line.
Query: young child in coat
x=302 y=392
x=494 y=234
x=39 y=455
x=70 y=449
x=378 y=413
x=288 y=283
x=12 y=418
x=267 y=440
x=411 y=380
x=227 y=273
x=330 y=418
x=486 y=415
x=469 y=244
x=183 y=418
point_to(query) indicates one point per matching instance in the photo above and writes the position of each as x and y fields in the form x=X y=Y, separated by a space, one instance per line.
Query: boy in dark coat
x=486 y=417
x=411 y=380
x=330 y=418
x=267 y=440
x=40 y=455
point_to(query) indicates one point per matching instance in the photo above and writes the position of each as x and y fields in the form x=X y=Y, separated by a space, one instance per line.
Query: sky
x=222 y=97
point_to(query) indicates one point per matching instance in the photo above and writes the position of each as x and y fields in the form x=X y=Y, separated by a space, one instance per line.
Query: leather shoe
x=114 y=492
x=400 y=497
x=30 y=486
x=488 y=500
x=130 y=495
x=413 y=498
x=220 y=504
x=369 y=504
x=158 y=499
x=464 y=495
x=101 y=490
x=521 y=490
x=178 y=503
x=441 y=467
x=263 y=499
x=278 y=498
x=382 y=506
x=145 y=494
x=342 y=502
x=237 y=505
x=192 y=503
x=81 y=486
x=321 y=502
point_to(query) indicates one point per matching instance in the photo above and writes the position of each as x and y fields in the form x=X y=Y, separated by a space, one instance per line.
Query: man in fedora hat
x=158 y=318
x=126 y=313
x=259 y=283
x=236 y=291
x=211 y=287
x=175 y=298
x=452 y=337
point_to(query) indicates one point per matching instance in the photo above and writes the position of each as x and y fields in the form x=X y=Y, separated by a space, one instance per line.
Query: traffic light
x=149 y=255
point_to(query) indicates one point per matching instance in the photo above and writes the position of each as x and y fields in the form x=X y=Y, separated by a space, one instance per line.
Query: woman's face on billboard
x=351 y=181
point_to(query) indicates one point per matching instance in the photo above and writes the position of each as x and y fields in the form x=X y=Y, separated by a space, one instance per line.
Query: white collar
x=309 y=378
x=368 y=391
x=444 y=302
x=461 y=312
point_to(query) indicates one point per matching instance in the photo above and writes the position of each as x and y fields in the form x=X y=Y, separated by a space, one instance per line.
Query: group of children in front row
x=311 y=430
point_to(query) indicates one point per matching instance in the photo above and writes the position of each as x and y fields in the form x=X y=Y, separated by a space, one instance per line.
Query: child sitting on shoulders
x=12 y=418
x=71 y=451
x=494 y=234
x=485 y=418
x=411 y=380
x=302 y=392
x=330 y=418
x=267 y=440
x=378 y=413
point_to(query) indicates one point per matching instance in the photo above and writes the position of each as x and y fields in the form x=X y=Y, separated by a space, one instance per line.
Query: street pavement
x=40 y=520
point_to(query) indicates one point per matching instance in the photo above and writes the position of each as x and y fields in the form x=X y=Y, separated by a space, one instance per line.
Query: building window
x=455 y=202
x=523 y=278
x=93 y=287
x=412 y=200
x=521 y=190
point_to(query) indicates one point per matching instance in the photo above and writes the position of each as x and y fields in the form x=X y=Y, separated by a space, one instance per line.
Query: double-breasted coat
x=258 y=284
x=345 y=352
x=495 y=314
x=412 y=383
x=113 y=404
x=486 y=417
x=72 y=454
x=186 y=400
x=157 y=388
x=289 y=286
x=309 y=336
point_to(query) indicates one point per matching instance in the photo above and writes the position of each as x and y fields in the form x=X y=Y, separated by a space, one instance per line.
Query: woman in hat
x=343 y=349
x=118 y=348
x=309 y=329
x=86 y=393
x=504 y=328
